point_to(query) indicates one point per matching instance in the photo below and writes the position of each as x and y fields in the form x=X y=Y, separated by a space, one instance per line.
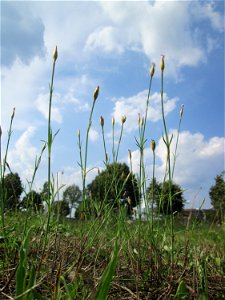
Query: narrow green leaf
x=106 y=279
x=21 y=270
x=182 y=292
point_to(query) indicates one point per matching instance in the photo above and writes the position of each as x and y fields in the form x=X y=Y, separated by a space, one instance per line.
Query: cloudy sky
x=113 y=44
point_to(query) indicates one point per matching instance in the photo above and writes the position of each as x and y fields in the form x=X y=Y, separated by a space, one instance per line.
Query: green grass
x=43 y=256
x=73 y=264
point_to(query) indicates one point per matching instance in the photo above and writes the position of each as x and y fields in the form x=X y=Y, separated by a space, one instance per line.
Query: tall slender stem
x=118 y=147
x=168 y=143
x=3 y=169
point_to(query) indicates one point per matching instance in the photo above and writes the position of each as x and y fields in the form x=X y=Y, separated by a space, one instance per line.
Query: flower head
x=96 y=92
x=123 y=119
x=113 y=121
x=102 y=121
x=13 y=113
x=55 y=54
x=182 y=111
x=153 y=145
x=152 y=70
x=162 y=63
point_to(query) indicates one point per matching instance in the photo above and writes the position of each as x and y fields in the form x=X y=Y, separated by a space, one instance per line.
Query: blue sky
x=113 y=44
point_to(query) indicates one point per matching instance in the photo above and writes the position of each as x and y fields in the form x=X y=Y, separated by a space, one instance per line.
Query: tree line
x=112 y=188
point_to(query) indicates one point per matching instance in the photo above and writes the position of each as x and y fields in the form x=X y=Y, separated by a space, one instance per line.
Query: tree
x=61 y=207
x=113 y=184
x=217 y=195
x=32 y=200
x=162 y=196
x=72 y=195
x=12 y=187
x=44 y=192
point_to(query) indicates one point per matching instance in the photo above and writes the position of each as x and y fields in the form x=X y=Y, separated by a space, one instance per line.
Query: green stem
x=175 y=154
x=85 y=156
x=3 y=169
x=118 y=147
x=153 y=188
x=103 y=138
x=142 y=185
x=167 y=142
x=49 y=144
x=113 y=138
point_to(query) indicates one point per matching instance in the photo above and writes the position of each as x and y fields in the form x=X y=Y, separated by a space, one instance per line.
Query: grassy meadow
x=43 y=256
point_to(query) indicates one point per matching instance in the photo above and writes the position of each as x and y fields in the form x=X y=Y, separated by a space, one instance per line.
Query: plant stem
x=3 y=191
x=84 y=169
x=103 y=138
x=118 y=147
x=168 y=143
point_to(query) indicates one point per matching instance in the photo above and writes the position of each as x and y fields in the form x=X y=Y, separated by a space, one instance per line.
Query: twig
x=125 y=289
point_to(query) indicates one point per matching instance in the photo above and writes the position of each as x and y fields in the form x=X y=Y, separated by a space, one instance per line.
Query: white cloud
x=160 y=27
x=42 y=104
x=198 y=162
x=207 y=12
x=93 y=135
x=136 y=104
x=20 y=86
x=105 y=39
x=21 y=157
x=78 y=105
x=115 y=26
x=150 y=27
x=17 y=21
x=73 y=175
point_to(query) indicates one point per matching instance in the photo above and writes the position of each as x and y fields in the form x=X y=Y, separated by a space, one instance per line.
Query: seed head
x=139 y=119
x=55 y=54
x=153 y=145
x=13 y=113
x=123 y=119
x=78 y=133
x=142 y=121
x=96 y=92
x=181 y=111
x=113 y=121
x=152 y=70
x=162 y=63
x=102 y=121
x=0 y=131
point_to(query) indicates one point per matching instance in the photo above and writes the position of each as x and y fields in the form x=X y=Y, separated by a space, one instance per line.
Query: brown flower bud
x=113 y=121
x=162 y=63
x=153 y=145
x=152 y=70
x=123 y=119
x=13 y=113
x=102 y=121
x=96 y=92
x=129 y=200
x=55 y=54
x=0 y=131
x=182 y=111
